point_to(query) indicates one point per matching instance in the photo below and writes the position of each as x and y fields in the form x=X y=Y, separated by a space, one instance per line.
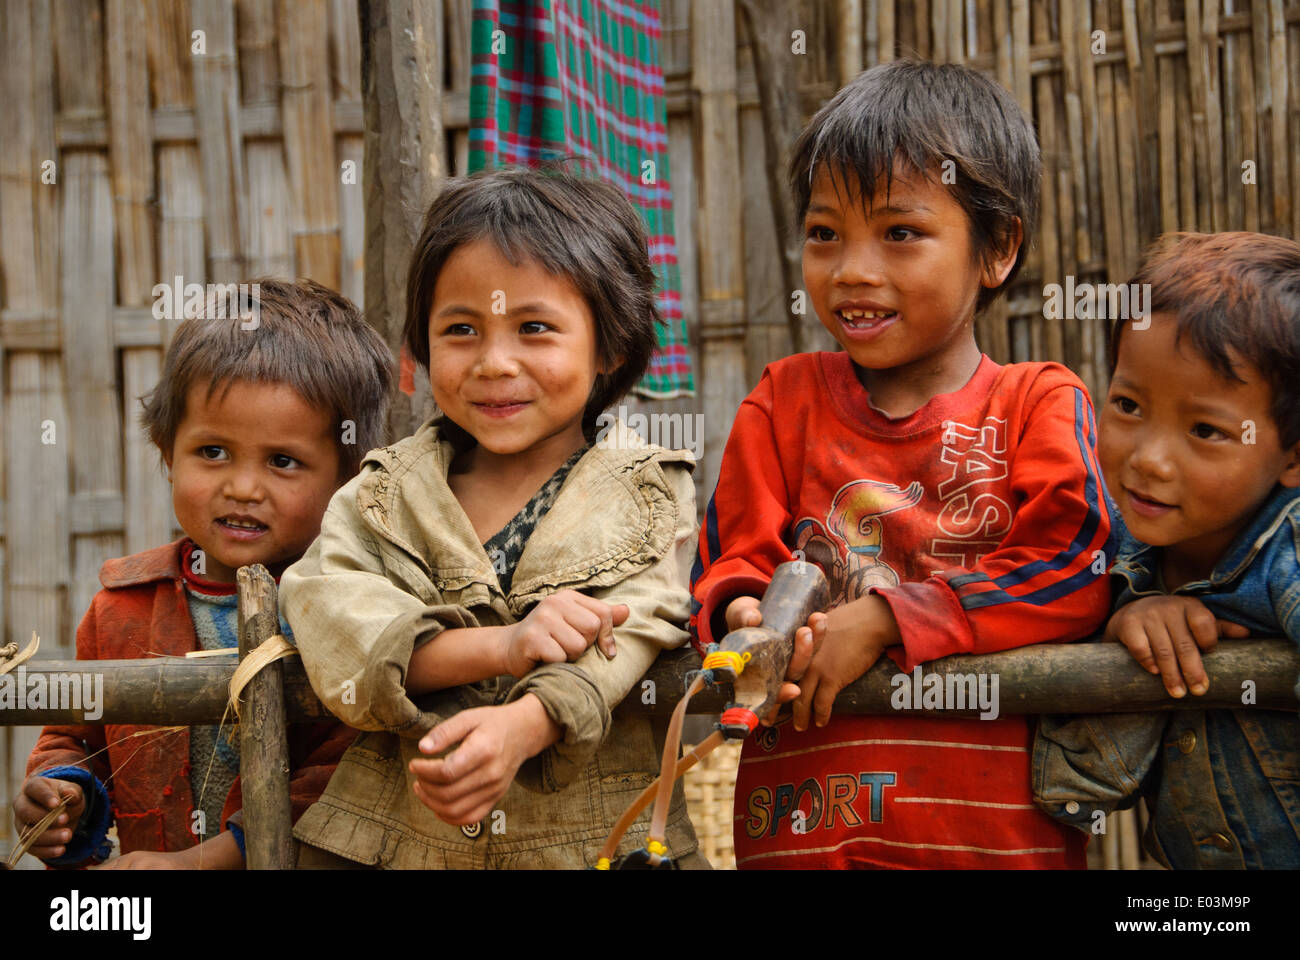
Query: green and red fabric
x=564 y=78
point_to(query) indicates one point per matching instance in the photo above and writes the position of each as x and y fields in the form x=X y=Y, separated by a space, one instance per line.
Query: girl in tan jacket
x=485 y=593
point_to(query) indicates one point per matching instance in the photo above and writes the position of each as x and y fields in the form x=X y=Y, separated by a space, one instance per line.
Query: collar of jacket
x=610 y=517
x=159 y=563
x=1137 y=561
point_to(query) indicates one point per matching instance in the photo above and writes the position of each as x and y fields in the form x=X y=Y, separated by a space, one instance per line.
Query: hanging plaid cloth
x=563 y=78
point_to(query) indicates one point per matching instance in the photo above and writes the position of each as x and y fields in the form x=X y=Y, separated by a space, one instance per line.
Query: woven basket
x=710 y=789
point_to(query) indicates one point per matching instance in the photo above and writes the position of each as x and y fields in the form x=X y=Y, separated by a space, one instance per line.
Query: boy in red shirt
x=955 y=505
x=258 y=425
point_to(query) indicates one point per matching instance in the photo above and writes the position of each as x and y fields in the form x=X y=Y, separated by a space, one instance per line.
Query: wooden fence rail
x=1075 y=678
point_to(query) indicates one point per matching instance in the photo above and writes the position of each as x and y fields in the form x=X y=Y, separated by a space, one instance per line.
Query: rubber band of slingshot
x=270 y=650
x=702 y=749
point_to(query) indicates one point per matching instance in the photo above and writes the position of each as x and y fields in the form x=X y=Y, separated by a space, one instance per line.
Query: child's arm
x=1086 y=767
x=748 y=512
x=559 y=714
x=357 y=623
x=1045 y=582
x=558 y=629
x=70 y=759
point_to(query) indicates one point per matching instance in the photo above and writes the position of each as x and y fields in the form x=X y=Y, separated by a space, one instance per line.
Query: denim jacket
x=397 y=562
x=1223 y=786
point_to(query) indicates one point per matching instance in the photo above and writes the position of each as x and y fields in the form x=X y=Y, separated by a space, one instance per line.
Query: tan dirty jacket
x=397 y=562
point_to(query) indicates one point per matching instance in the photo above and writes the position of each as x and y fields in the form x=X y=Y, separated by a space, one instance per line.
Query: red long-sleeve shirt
x=982 y=521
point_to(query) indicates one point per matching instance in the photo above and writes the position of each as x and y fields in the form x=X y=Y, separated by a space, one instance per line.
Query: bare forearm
x=219 y=853
x=455 y=657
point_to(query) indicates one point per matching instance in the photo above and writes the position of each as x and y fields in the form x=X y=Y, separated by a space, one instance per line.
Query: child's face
x=1176 y=450
x=252 y=471
x=512 y=351
x=897 y=286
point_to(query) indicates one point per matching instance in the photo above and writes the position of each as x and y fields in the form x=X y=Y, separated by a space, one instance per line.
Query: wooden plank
x=352 y=221
x=147 y=502
x=270 y=202
x=1168 y=147
x=1293 y=109
x=1234 y=199
x=180 y=225
x=1282 y=221
x=1052 y=333
x=1261 y=46
x=308 y=139
x=259 y=63
x=90 y=370
x=956 y=31
x=1198 y=88
x=1020 y=54
x=263 y=732
x=1213 y=111
x=1044 y=678
x=1127 y=141
x=37 y=450
x=168 y=45
x=939 y=31
x=887 y=25
x=221 y=148
x=767 y=300
x=1073 y=48
x=130 y=151
x=1245 y=84
x=345 y=44
x=848 y=53
x=1187 y=207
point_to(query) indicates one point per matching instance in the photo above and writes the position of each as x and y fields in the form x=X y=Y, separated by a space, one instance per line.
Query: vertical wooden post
x=722 y=277
x=404 y=163
x=263 y=737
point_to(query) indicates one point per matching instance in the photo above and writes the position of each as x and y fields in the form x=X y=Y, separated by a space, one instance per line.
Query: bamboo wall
x=245 y=159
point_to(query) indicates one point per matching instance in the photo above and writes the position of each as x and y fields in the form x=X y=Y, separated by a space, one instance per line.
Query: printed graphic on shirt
x=848 y=545
x=973 y=520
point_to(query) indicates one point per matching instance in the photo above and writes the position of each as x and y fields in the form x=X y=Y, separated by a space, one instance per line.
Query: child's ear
x=999 y=264
x=607 y=368
x=1291 y=471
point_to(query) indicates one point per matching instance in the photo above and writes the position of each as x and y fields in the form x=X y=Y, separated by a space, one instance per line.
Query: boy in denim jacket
x=1200 y=446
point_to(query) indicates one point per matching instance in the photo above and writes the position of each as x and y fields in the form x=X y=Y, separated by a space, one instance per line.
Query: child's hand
x=1167 y=635
x=37 y=797
x=561 y=628
x=856 y=634
x=462 y=786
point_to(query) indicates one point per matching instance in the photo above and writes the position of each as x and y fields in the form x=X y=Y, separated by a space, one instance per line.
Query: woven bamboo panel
x=710 y=792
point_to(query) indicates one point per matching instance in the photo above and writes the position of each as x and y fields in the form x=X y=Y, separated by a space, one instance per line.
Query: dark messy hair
x=921 y=114
x=1236 y=299
x=572 y=226
x=306 y=336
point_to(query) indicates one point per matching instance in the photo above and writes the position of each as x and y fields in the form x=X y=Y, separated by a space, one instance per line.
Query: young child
x=954 y=504
x=458 y=583
x=257 y=428
x=1200 y=446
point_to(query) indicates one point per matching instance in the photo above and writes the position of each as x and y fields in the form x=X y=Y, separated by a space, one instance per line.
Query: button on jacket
x=397 y=562
x=1223 y=785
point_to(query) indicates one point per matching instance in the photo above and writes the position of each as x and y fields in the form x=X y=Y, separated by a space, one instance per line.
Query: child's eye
x=534 y=326
x=1203 y=431
x=1125 y=405
x=283 y=461
x=901 y=233
x=213 y=452
x=458 y=330
x=821 y=234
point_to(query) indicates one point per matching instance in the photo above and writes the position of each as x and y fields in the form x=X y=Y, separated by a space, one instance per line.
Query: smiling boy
x=954 y=504
x=257 y=428
x=1200 y=445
